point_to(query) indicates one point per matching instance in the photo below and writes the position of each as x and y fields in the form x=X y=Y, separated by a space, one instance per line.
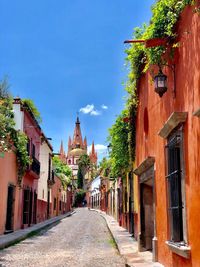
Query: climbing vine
x=20 y=140
x=165 y=15
x=118 y=138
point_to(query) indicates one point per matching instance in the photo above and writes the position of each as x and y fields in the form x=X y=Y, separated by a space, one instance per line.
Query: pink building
x=18 y=199
x=26 y=122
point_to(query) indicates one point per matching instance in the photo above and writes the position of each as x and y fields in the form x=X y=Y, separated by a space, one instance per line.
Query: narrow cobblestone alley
x=80 y=240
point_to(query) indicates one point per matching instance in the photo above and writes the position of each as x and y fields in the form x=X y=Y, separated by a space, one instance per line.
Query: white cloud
x=104 y=106
x=101 y=149
x=90 y=109
x=95 y=113
x=87 y=109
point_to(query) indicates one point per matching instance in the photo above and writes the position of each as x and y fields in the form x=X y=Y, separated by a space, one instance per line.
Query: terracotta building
x=167 y=154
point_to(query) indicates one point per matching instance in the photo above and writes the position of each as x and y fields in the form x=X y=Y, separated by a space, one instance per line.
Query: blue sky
x=66 y=55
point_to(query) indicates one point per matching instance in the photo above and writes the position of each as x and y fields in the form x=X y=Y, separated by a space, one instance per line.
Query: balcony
x=35 y=168
x=51 y=180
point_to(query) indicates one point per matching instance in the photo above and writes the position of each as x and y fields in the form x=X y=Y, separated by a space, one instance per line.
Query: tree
x=62 y=171
x=84 y=164
x=6 y=117
x=79 y=179
x=79 y=197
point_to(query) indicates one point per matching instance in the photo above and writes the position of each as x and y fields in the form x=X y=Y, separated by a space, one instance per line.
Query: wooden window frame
x=179 y=136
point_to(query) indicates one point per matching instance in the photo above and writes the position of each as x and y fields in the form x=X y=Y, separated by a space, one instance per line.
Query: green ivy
x=118 y=138
x=165 y=15
x=6 y=117
x=10 y=139
x=23 y=160
x=105 y=167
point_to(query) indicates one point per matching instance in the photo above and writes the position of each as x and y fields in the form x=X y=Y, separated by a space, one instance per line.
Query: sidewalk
x=19 y=235
x=127 y=246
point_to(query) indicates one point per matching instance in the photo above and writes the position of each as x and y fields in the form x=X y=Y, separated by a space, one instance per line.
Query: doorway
x=48 y=204
x=146 y=215
x=131 y=204
x=10 y=209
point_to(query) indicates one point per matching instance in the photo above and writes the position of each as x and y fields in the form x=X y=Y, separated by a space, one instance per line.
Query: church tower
x=76 y=148
x=93 y=154
x=62 y=153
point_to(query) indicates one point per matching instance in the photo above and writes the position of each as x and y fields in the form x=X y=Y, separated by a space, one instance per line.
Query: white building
x=95 y=195
x=46 y=179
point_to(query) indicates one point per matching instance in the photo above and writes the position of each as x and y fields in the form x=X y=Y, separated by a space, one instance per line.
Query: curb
x=128 y=249
x=20 y=235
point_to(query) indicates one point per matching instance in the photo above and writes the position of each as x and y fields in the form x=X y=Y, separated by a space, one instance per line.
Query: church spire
x=62 y=152
x=93 y=149
x=69 y=142
x=85 y=143
x=77 y=138
x=61 y=148
x=93 y=154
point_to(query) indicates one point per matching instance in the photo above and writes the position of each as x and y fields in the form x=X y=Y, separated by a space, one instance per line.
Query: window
x=175 y=183
x=60 y=205
x=28 y=146
x=49 y=168
x=54 y=204
x=33 y=150
x=26 y=206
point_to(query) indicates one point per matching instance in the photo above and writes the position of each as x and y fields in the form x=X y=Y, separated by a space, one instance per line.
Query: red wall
x=150 y=144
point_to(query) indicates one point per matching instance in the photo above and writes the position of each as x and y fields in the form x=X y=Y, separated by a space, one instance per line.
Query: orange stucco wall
x=150 y=144
x=8 y=175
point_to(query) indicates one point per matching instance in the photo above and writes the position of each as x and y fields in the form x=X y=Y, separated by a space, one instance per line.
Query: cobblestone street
x=80 y=240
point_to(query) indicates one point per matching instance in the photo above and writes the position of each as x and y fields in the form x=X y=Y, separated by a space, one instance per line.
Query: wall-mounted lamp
x=160 y=81
x=109 y=146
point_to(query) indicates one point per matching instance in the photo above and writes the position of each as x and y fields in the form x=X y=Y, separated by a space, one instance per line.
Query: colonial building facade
x=39 y=194
x=167 y=154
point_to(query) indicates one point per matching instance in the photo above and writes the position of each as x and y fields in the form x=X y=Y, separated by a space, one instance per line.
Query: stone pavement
x=82 y=240
x=19 y=235
x=127 y=246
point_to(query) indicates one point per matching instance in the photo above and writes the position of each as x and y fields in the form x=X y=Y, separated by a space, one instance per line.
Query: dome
x=77 y=152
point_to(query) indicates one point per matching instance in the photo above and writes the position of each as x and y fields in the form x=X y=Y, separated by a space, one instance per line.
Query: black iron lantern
x=109 y=147
x=160 y=81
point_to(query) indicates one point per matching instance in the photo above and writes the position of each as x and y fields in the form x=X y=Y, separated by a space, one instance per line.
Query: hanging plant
x=20 y=140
